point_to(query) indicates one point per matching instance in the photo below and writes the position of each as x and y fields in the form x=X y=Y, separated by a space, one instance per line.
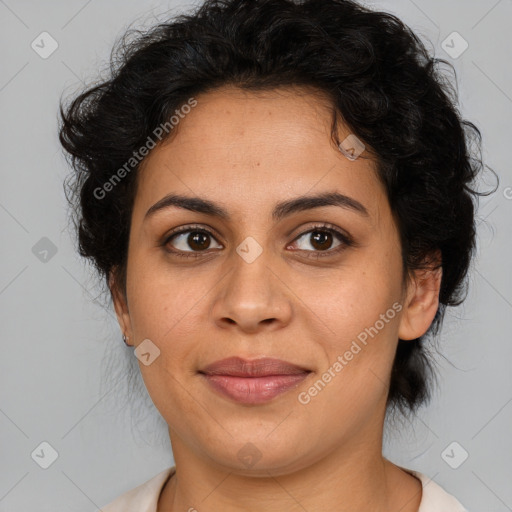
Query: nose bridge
x=251 y=274
x=252 y=295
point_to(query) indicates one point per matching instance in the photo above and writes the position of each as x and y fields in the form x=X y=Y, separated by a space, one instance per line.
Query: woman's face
x=266 y=281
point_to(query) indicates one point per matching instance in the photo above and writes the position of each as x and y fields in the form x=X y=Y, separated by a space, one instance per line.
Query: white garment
x=144 y=498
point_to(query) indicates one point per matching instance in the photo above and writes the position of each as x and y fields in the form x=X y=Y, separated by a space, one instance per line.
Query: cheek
x=354 y=298
x=363 y=317
x=169 y=307
x=164 y=309
x=361 y=306
x=161 y=298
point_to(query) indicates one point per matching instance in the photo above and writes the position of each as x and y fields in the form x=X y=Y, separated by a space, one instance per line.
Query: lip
x=263 y=367
x=253 y=381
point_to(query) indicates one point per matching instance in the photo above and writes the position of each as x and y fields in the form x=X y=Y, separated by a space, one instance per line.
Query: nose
x=254 y=297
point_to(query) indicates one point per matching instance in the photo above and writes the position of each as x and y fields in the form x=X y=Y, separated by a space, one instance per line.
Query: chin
x=258 y=456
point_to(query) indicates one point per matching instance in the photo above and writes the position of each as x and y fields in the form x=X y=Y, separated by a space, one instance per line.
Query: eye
x=190 y=240
x=323 y=239
x=320 y=241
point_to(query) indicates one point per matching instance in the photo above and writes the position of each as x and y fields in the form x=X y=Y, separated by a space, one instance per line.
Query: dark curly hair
x=380 y=81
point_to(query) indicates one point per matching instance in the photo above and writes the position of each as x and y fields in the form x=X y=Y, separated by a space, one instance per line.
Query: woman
x=279 y=197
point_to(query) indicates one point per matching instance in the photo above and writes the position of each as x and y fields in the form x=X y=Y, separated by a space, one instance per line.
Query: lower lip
x=254 y=390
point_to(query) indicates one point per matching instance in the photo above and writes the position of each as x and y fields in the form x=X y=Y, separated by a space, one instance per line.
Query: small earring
x=125 y=339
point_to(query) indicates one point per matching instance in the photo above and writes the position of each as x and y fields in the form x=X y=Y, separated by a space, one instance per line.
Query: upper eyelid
x=186 y=229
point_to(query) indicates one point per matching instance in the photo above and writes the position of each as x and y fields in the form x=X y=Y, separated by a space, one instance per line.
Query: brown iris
x=198 y=241
x=321 y=240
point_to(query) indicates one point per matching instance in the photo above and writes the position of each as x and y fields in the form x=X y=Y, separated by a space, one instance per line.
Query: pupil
x=321 y=238
x=197 y=240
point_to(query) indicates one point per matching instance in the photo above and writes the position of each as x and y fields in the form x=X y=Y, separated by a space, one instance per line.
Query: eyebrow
x=281 y=210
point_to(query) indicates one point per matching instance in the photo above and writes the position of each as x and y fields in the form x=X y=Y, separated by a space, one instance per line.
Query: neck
x=353 y=477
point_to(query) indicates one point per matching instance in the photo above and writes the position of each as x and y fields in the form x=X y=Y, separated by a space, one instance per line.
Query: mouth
x=253 y=381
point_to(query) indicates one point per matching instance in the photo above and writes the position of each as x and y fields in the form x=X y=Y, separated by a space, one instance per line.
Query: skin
x=247 y=152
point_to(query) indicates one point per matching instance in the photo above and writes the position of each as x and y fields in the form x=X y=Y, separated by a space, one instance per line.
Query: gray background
x=64 y=369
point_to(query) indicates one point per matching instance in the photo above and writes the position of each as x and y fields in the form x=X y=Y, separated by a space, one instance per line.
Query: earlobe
x=120 y=305
x=421 y=304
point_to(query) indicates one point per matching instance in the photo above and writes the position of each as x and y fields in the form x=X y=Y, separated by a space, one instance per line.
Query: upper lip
x=239 y=367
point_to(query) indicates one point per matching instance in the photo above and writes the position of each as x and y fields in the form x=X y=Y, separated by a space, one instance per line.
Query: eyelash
x=345 y=240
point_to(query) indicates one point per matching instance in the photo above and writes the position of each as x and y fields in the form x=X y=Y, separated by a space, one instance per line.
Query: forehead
x=257 y=147
x=233 y=112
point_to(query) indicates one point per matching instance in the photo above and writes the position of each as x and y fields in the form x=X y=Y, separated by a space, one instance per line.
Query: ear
x=422 y=300
x=120 y=305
